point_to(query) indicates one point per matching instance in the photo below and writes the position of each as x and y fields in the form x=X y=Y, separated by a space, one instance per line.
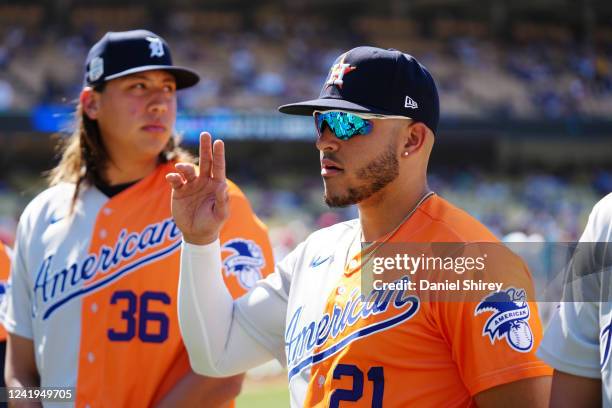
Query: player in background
x=578 y=340
x=5 y=266
x=376 y=119
x=94 y=284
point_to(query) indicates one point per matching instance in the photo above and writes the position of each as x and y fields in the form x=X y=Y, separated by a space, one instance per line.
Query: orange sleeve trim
x=508 y=375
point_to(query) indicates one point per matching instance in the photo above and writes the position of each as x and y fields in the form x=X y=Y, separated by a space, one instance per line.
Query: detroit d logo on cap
x=156 y=47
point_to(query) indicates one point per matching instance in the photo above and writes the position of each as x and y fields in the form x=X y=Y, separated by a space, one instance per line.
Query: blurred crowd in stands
x=529 y=208
x=261 y=61
x=255 y=63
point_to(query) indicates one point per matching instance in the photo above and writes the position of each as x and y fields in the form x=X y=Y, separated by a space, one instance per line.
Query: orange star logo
x=338 y=71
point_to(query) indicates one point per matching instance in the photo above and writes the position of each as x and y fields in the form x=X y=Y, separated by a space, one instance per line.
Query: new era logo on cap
x=119 y=54
x=375 y=80
x=410 y=103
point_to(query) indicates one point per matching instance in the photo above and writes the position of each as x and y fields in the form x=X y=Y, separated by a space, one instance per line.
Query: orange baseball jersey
x=96 y=291
x=393 y=348
x=5 y=267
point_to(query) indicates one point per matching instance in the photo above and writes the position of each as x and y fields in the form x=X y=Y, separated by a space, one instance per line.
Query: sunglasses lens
x=344 y=125
x=319 y=121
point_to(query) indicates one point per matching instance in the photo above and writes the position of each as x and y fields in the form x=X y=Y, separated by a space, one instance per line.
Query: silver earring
x=405 y=154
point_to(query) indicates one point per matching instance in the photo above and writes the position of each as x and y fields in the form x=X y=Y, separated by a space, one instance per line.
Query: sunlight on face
x=137 y=115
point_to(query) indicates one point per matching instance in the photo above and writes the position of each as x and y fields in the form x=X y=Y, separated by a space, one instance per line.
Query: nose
x=327 y=141
x=160 y=102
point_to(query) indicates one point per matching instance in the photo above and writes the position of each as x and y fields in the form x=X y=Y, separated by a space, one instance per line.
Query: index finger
x=218 y=164
x=205 y=154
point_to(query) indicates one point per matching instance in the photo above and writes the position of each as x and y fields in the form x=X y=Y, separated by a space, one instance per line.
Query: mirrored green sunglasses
x=345 y=125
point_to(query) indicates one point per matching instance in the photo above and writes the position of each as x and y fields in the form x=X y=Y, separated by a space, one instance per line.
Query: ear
x=90 y=101
x=414 y=135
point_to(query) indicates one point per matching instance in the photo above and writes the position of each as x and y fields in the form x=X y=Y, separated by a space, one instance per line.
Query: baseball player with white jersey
x=92 y=302
x=375 y=118
x=578 y=340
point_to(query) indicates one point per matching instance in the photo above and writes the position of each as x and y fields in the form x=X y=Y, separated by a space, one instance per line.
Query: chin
x=335 y=200
x=155 y=143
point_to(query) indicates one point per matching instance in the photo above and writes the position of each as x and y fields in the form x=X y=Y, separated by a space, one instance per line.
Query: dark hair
x=84 y=157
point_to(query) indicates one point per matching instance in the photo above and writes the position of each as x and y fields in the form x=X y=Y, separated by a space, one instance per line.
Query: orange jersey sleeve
x=493 y=335
x=5 y=267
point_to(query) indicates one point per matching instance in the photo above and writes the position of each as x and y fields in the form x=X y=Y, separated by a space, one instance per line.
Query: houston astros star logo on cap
x=338 y=71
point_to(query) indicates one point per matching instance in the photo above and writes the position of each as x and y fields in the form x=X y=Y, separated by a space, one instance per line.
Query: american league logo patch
x=245 y=262
x=509 y=319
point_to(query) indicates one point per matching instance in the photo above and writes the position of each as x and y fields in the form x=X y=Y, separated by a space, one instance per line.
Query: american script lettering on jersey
x=52 y=289
x=302 y=337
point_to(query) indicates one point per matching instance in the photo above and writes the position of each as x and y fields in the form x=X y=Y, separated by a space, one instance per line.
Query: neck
x=385 y=211
x=118 y=172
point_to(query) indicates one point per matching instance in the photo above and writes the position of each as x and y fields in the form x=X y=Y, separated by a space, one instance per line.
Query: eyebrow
x=137 y=76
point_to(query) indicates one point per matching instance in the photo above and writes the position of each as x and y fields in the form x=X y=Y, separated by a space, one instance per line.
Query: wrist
x=200 y=240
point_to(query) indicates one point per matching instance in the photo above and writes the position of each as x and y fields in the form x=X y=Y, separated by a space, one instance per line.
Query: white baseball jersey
x=578 y=338
x=341 y=348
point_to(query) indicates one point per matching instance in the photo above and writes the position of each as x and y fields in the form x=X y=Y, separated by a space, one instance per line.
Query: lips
x=154 y=127
x=330 y=168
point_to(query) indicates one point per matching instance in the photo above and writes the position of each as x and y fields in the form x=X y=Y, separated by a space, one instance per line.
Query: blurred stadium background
x=525 y=142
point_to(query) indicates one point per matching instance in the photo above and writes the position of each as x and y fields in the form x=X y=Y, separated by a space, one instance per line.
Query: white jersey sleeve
x=263 y=310
x=222 y=336
x=16 y=308
x=572 y=341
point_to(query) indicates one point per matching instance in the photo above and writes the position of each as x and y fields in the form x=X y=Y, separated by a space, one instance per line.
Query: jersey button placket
x=321 y=381
x=106 y=211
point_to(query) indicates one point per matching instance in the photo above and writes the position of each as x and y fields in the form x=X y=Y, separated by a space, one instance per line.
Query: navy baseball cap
x=375 y=80
x=123 y=53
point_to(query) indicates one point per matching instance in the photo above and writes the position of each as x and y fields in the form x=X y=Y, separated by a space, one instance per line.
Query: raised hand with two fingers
x=199 y=196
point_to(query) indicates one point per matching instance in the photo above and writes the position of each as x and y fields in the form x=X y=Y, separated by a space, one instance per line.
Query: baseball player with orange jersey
x=94 y=284
x=376 y=118
x=5 y=266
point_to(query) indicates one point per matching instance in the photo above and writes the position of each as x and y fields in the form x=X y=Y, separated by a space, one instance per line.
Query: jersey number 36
x=145 y=319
